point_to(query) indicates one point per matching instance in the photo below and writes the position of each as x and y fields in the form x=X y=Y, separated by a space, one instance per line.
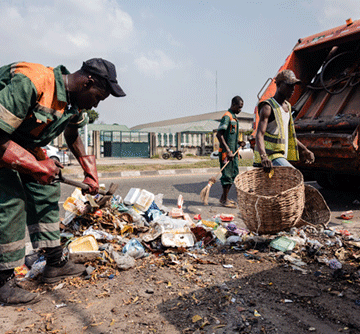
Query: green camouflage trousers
x=25 y=204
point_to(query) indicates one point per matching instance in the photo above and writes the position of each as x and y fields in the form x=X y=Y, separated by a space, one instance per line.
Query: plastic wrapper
x=98 y=234
x=135 y=249
x=123 y=261
x=152 y=213
x=283 y=244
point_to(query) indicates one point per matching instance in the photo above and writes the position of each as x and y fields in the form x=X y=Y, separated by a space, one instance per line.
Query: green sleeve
x=17 y=97
x=224 y=123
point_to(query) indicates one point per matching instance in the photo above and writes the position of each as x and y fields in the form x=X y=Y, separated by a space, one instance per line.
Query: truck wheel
x=166 y=156
x=338 y=181
x=323 y=180
x=344 y=182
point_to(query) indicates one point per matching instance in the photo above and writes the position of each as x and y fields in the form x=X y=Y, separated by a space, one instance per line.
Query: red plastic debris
x=345 y=232
x=347 y=215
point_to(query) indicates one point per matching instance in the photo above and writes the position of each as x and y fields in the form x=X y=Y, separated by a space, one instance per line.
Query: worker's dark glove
x=307 y=156
x=19 y=159
x=266 y=163
x=88 y=164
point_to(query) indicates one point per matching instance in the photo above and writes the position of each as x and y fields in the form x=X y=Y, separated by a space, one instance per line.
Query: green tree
x=93 y=115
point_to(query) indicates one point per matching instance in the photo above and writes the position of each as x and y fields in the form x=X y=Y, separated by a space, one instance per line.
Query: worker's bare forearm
x=301 y=146
x=221 y=138
x=260 y=144
x=74 y=142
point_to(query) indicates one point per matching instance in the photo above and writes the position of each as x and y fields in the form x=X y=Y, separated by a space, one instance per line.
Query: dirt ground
x=243 y=288
x=247 y=289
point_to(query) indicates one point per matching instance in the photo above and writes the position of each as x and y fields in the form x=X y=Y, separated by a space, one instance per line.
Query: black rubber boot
x=52 y=274
x=57 y=267
x=11 y=294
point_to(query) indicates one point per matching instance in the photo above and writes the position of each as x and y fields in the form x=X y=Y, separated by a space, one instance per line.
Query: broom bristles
x=204 y=194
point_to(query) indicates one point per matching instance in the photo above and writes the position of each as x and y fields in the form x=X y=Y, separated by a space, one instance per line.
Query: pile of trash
x=120 y=231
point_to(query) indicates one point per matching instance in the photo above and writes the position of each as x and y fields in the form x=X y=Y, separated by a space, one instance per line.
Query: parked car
x=246 y=153
x=59 y=155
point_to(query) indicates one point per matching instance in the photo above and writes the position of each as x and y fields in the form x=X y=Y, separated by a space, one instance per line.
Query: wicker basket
x=270 y=205
x=316 y=211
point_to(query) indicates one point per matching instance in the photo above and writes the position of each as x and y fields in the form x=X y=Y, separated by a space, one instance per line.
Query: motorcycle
x=173 y=154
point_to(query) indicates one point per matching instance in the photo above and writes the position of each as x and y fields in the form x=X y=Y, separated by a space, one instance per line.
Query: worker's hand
x=46 y=171
x=230 y=156
x=88 y=164
x=307 y=156
x=266 y=163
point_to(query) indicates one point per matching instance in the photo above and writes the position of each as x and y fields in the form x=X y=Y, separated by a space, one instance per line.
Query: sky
x=174 y=58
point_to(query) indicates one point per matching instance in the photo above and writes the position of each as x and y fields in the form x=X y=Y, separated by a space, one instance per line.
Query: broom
x=204 y=194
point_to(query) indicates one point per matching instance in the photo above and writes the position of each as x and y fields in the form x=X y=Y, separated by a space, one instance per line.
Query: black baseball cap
x=106 y=70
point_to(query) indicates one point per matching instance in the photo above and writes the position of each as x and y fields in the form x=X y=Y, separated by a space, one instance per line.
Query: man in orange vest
x=228 y=136
x=37 y=103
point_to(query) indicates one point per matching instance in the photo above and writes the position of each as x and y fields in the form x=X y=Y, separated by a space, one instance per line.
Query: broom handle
x=227 y=163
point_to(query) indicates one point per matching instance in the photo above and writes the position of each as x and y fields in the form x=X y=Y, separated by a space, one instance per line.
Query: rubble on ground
x=115 y=236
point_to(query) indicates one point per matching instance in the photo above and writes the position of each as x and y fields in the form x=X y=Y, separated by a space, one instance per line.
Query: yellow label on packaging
x=209 y=223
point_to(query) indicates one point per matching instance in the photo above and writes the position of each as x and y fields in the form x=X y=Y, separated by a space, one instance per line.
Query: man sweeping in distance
x=228 y=136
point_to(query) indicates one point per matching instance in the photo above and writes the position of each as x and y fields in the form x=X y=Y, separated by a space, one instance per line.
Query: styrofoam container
x=84 y=249
x=82 y=257
x=86 y=243
x=144 y=200
x=132 y=196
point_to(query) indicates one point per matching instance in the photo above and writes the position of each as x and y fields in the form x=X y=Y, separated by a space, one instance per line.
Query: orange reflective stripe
x=228 y=113
x=46 y=88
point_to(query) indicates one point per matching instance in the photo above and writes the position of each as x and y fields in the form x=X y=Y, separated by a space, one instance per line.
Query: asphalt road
x=190 y=185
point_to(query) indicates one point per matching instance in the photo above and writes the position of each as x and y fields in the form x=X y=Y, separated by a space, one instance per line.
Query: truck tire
x=323 y=180
x=344 y=182
x=338 y=181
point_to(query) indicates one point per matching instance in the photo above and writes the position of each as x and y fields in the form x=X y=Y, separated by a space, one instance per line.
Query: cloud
x=63 y=29
x=172 y=40
x=209 y=75
x=334 y=12
x=155 y=64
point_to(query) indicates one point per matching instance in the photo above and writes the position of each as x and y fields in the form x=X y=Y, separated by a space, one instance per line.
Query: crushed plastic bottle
x=37 y=268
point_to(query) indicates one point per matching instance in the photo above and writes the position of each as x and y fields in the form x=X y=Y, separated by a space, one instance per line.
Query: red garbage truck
x=326 y=106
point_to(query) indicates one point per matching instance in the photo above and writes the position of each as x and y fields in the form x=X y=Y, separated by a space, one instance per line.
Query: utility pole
x=216 y=97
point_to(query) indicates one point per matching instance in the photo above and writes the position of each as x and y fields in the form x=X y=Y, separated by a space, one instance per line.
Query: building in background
x=193 y=134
